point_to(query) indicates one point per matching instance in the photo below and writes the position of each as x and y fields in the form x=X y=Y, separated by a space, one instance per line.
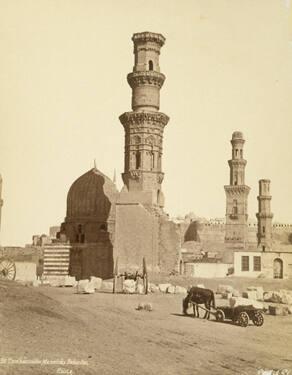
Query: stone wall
x=268 y=259
x=28 y=253
x=136 y=236
x=169 y=245
x=94 y=259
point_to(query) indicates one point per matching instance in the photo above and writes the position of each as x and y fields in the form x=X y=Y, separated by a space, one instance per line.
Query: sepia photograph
x=146 y=187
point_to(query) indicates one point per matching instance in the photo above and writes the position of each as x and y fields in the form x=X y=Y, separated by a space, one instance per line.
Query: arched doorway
x=278 y=268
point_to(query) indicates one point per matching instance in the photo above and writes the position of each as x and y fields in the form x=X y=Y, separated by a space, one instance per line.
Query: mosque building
x=103 y=225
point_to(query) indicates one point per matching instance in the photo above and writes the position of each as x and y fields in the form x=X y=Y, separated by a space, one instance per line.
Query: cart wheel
x=242 y=319
x=7 y=270
x=220 y=316
x=258 y=319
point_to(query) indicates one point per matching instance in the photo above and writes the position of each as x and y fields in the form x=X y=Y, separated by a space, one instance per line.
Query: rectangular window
x=245 y=263
x=257 y=263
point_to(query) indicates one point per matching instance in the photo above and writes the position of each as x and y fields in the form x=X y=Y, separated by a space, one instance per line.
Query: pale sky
x=63 y=67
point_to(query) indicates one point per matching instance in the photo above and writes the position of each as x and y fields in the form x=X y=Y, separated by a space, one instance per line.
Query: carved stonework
x=145 y=78
x=160 y=177
x=135 y=174
x=236 y=190
x=139 y=38
x=150 y=140
x=140 y=118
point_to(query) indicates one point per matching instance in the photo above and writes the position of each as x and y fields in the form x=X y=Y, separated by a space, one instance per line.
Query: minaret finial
x=94 y=164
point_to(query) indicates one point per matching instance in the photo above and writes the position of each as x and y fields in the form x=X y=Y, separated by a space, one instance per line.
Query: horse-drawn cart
x=7 y=269
x=239 y=315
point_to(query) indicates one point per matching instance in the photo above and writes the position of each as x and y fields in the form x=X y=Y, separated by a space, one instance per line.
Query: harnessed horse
x=199 y=296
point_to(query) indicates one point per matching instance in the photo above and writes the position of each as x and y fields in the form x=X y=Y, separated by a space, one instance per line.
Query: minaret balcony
x=233 y=216
x=149 y=77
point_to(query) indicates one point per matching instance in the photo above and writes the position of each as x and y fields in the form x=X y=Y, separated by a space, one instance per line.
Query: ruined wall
x=136 y=236
x=169 y=245
x=28 y=253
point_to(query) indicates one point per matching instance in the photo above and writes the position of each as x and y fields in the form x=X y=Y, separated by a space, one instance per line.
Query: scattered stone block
x=36 y=283
x=277 y=310
x=96 y=282
x=259 y=290
x=57 y=281
x=145 y=306
x=163 y=287
x=287 y=299
x=129 y=286
x=152 y=288
x=170 y=289
x=238 y=301
x=226 y=295
x=200 y=286
x=235 y=293
x=107 y=285
x=70 y=281
x=85 y=287
x=286 y=291
x=224 y=289
x=251 y=294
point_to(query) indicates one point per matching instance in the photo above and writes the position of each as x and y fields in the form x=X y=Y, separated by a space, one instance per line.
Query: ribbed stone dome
x=91 y=195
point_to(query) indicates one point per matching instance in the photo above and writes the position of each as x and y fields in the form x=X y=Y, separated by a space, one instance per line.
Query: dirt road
x=110 y=336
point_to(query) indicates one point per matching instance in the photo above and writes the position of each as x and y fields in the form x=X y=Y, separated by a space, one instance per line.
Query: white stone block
x=224 y=289
x=107 y=285
x=163 y=287
x=234 y=302
x=96 y=282
x=153 y=288
x=70 y=281
x=85 y=287
x=251 y=294
x=259 y=290
x=170 y=289
x=36 y=283
x=129 y=286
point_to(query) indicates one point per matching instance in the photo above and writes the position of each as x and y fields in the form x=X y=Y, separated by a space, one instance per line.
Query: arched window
x=264 y=229
x=138 y=159
x=241 y=153
x=150 y=65
x=103 y=227
x=152 y=157
x=234 y=208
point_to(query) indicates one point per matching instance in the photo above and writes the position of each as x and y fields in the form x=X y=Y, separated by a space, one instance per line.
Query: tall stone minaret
x=264 y=216
x=144 y=125
x=236 y=230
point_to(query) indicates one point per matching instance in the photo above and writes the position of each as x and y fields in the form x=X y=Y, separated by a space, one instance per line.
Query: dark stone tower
x=264 y=216
x=236 y=196
x=144 y=125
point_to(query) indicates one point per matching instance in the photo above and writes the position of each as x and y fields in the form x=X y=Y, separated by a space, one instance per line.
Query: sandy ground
x=110 y=336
